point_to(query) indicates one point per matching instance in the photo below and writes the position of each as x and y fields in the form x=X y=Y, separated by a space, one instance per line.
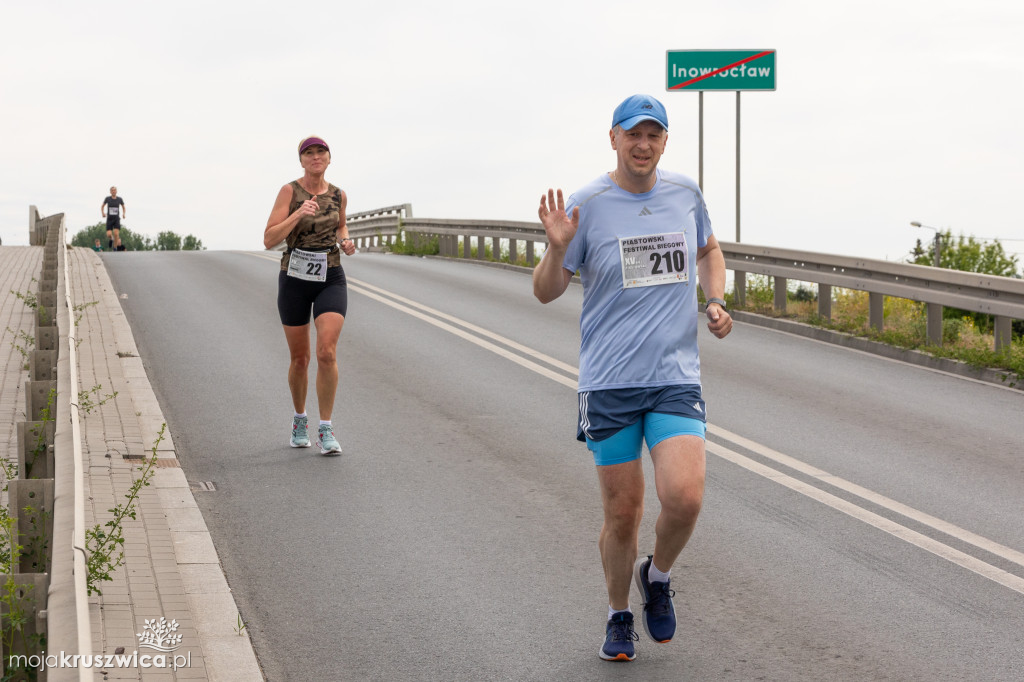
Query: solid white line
x=913 y=537
x=451 y=318
x=950 y=529
x=462 y=323
x=543 y=371
x=472 y=327
x=926 y=543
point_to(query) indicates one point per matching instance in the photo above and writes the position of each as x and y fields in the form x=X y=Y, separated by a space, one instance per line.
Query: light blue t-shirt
x=637 y=258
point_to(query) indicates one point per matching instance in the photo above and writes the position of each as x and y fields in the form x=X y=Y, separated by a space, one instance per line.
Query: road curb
x=228 y=654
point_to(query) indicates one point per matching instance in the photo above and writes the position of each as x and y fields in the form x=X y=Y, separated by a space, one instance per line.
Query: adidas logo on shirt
x=645 y=211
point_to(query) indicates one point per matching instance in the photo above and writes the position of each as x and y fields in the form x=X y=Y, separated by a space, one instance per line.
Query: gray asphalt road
x=456 y=537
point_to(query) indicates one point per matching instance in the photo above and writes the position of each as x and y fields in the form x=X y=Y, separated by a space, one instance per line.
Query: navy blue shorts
x=295 y=297
x=614 y=423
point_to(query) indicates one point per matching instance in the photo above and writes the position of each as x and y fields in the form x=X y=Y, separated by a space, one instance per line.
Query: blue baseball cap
x=639 y=108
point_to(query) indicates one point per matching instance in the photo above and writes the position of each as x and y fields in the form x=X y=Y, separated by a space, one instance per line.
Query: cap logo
x=638 y=108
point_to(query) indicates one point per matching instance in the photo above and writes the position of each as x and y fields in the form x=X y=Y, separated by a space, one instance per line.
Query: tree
x=192 y=244
x=166 y=241
x=132 y=242
x=88 y=236
x=135 y=242
x=969 y=255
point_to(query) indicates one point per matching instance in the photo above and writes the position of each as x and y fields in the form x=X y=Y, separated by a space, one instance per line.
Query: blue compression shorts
x=616 y=422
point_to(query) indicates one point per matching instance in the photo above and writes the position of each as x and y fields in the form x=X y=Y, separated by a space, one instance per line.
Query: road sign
x=721 y=70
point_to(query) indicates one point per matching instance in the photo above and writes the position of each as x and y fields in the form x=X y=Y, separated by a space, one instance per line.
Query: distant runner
x=112 y=209
x=309 y=216
x=637 y=236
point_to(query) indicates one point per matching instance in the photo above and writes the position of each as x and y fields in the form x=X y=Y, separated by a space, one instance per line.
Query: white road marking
x=998 y=575
x=926 y=543
x=472 y=327
x=430 y=319
x=967 y=536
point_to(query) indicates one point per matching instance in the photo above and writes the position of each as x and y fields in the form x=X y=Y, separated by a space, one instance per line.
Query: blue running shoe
x=300 y=438
x=618 y=638
x=659 y=617
x=328 y=443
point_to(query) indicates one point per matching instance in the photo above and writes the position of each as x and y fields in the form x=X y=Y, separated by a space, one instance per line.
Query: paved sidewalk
x=171 y=568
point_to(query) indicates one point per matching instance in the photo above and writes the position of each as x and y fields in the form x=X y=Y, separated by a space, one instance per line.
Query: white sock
x=656 y=576
x=612 y=612
x=298 y=416
x=322 y=422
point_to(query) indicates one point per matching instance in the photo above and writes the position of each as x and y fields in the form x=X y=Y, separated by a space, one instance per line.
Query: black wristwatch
x=718 y=301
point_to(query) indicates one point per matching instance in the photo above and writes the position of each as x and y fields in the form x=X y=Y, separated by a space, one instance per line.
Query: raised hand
x=558 y=226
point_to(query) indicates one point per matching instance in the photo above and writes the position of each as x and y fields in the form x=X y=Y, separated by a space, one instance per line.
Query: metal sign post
x=737 y=70
x=737 y=167
x=700 y=141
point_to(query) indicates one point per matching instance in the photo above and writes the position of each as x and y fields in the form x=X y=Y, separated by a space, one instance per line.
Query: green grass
x=415 y=244
x=904 y=325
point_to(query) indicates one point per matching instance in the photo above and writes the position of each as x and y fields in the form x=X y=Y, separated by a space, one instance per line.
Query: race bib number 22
x=307 y=265
x=654 y=259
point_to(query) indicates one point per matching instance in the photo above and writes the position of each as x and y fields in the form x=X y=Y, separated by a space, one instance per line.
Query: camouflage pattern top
x=317 y=232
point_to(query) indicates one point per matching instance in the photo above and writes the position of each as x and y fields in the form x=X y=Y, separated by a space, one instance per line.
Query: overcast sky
x=886 y=112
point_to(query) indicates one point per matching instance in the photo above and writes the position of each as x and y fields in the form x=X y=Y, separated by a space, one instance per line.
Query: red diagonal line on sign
x=724 y=68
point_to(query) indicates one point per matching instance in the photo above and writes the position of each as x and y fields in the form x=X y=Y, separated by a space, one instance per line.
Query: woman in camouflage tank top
x=309 y=217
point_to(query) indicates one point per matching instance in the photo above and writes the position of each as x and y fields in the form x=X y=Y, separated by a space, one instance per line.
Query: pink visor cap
x=310 y=142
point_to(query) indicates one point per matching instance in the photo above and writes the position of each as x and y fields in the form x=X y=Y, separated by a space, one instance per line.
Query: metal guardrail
x=1002 y=297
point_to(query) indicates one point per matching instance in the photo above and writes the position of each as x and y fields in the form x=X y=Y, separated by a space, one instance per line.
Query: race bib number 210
x=654 y=259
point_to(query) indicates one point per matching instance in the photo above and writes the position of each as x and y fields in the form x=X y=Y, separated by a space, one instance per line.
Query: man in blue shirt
x=637 y=236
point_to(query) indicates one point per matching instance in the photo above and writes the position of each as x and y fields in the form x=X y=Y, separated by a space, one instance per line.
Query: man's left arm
x=122 y=209
x=711 y=271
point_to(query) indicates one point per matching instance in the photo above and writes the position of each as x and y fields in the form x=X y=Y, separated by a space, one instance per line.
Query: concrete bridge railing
x=45 y=497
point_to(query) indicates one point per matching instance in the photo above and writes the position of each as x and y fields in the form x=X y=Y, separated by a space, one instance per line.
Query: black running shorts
x=296 y=296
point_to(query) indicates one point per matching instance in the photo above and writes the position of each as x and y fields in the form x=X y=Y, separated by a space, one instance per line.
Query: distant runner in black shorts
x=112 y=209
x=309 y=216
